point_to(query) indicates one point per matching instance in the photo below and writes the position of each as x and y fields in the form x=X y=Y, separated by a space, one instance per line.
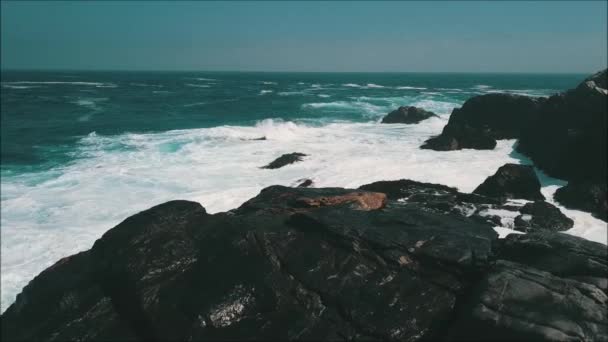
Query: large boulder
x=587 y=196
x=483 y=119
x=407 y=115
x=512 y=181
x=285 y=159
x=542 y=215
x=568 y=137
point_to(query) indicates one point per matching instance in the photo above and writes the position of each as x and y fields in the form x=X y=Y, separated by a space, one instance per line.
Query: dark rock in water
x=260 y=138
x=512 y=181
x=584 y=196
x=285 y=159
x=407 y=115
x=305 y=183
x=568 y=138
x=514 y=302
x=502 y=116
x=316 y=264
x=542 y=215
x=457 y=137
x=483 y=119
x=563 y=255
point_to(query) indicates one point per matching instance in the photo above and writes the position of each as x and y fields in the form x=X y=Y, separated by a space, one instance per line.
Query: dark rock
x=568 y=138
x=542 y=215
x=407 y=115
x=563 y=255
x=483 y=119
x=260 y=138
x=314 y=264
x=305 y=183
x=514 y=302
x=512 y=181
x=584 y=196
x=457 y=137
x=502 y=116
x=285 y=159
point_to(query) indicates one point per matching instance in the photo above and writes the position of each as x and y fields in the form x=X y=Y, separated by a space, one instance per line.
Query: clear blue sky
x=476 y=36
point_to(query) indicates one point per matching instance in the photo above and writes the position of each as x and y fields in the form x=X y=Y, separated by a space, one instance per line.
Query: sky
x=456 y=36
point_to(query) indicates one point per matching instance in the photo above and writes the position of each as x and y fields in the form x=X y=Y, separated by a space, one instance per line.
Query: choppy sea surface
x=82 y=151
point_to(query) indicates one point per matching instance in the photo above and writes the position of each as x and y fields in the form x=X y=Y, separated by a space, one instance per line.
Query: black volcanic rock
x=542 y=215
x=512 y=181
x=285 y=159
x=563 y=255
x=407 y=115
x=585 y=196
x=503 y=116
x=316 y=264
x=568 y=138
x=457 y=137
x=513 y=302
x=483 y=119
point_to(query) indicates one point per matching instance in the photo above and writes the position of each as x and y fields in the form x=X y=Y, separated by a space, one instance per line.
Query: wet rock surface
x=568 y=138
x=586 y=196
x=407 y=115
x=542 y=215
x=483 y=119
x=285 y=159
x=512 y=181
x=395 y=260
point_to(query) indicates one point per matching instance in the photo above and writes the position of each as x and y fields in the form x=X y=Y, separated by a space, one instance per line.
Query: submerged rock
x=285 y=159
x=407 y=115
x=512 y=181
x=542 y=215
x=586 y=196
x=316 y=264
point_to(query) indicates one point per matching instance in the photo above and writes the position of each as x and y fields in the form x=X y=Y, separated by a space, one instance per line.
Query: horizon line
x=295 y=71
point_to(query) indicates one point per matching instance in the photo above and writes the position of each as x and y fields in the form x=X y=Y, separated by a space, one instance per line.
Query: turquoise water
x=45 y=114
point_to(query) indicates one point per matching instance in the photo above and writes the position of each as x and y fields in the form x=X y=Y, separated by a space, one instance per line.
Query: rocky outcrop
x=483 y=119
x=512 y=181
x=586 y=196
x=542 y=215
x=568 y=137
x=407 y=115
x=318 y=264
x=285 y=159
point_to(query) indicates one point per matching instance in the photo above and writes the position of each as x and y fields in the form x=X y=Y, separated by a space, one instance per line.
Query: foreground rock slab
x=389 y=261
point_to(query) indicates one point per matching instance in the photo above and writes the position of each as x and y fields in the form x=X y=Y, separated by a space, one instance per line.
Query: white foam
x=197 y=85
x=95 y=84
x=48 y=215
x=373 y=85
x=264 y=91
x=268 y=82
x=411 y=88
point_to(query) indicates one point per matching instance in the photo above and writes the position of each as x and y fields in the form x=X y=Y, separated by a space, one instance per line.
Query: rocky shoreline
x=391 y=260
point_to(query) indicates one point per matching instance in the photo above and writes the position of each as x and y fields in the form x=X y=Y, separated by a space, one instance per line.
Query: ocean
x=82 y=151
